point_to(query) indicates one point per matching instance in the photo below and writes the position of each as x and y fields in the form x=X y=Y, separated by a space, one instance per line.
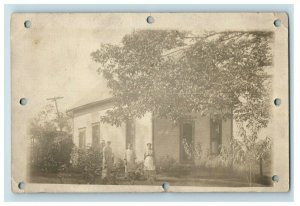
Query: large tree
x=173 y=74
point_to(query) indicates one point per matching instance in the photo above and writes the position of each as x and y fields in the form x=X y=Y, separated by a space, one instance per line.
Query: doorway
x=186 y=141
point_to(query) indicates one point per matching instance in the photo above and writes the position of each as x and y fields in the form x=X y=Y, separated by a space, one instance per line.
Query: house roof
x=98 y=95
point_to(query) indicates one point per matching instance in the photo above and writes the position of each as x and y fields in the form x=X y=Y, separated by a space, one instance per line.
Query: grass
x=184 y=176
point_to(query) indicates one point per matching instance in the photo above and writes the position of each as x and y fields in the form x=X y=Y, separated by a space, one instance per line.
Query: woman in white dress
x=149 y=166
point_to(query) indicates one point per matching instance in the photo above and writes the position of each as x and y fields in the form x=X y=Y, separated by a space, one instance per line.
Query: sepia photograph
x=186 y=101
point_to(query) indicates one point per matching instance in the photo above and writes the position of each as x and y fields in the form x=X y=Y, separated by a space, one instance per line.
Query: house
x=166 y=137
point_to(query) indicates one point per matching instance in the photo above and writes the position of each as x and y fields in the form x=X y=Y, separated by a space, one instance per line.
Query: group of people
x=130 y=163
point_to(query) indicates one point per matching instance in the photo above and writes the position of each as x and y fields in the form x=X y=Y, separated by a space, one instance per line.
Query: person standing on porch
x=108 y=161
x=149 y=165
x=130 y=166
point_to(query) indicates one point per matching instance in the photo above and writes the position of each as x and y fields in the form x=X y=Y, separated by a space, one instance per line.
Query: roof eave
x=91 y=104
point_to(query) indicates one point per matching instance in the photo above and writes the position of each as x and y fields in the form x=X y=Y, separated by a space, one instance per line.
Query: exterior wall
x=83 y=121
x=164 y=135
x=143 y=135
x=227 y=128
x=86 y=118
x=202 y=133
x=167 y=138
x=117 y=135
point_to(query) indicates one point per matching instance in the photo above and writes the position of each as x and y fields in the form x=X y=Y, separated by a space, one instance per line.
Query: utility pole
x=54 y=99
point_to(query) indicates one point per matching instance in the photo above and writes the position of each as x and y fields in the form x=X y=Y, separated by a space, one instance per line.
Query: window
x=215 y=136
x=95 y=134
x=81 y=136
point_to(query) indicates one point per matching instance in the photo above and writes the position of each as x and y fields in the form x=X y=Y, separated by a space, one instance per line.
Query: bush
x=87 y=162
x=51 y=141
x=240 y=157
x=119 y=167
x=166 y=164
x=139 y=172
x=52 y=151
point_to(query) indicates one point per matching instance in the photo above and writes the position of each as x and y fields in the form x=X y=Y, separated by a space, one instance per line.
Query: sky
x=52 y=58
x=56 y=58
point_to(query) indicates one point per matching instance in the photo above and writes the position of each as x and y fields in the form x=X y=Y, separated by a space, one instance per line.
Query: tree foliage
x=248 y=151
x=173 y=74
x=50 y=147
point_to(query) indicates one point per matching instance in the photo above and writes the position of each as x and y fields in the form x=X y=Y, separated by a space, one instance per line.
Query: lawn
x=203 y=180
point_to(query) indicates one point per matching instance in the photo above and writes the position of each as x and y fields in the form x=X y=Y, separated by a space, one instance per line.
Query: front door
x=186 y=142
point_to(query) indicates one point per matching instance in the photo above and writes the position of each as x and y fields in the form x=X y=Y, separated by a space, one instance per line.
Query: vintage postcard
x=161 y=102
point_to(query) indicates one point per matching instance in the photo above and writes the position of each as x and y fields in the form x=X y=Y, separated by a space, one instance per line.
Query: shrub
x=139 y=172
x=51 y=141
x=166 y=164
x=87 y=162
x=52 y=151
x=119 y=167
x=241 y=156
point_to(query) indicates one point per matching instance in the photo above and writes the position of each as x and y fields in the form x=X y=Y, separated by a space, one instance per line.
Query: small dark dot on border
x=277 y=23
x=23 y=101
x=150 y=19
x=21 y=185
x=166 y=186
x=275 y=178
x=27 y=24
x=277 y=102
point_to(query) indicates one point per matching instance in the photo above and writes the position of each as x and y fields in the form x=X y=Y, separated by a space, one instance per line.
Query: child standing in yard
x=149 y=165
